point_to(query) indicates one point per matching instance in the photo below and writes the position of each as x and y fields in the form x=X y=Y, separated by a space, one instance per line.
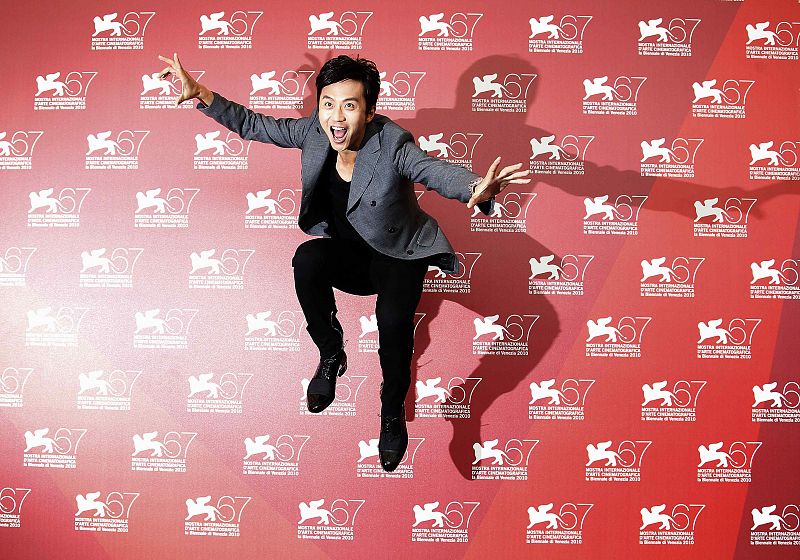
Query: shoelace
x=393 y=425
x=330 y=367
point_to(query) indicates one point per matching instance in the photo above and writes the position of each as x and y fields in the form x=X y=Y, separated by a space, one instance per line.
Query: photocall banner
x=611 y=373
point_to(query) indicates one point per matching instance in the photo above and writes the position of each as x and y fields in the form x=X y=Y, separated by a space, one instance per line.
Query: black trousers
x=322 y=264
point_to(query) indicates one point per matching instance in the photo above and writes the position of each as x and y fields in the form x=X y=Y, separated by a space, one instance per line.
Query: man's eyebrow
x=348 y=99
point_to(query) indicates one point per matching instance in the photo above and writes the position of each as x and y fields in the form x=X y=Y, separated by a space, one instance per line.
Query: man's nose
x=338 y=114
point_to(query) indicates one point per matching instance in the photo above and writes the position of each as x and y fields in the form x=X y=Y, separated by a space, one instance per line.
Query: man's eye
x=350 y=106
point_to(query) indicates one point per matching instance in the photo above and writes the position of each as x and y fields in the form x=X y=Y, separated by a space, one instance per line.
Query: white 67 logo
x=21 y=143
x=784 y=275
x=115 y=383
x=677 y=30
x=67 y=320
x=341 y=512
x=240 y=23
x=787 y=397
x=230 y=386
x=515 y=328
x=681 y=151
x=515 y=452
x=572 y=392
x=285 y=325
x=568 y=28
x=627 y=330
x=348 y=24
x=286 y=449
x=455 y=515
x=738 y=455
x=571 y=147
x=623 y=88
x=682 y=517
x=232 y=145
x=121 y=260
x=571 y=267
x=570 y=517
x=625 y=208
x=175 y=201
x=733 y=211
x=175 y=321
x=510 y=337
x=285 y=203
x=400 y=84
x=682 y=394
x=760 y=32
x=225 y=509
x=787 y=520
x=125 y=143
x=115 y=505
x=778 y=41
x=626 y=454
x=457 y=391
x=681 y=270
x=785 y=155
x=68 y=200
x=290 y=83
x=511 y=86
x=458 y=25
x=172 y=445
x=458 y=146
x=132 y=24
x=731 y=92
x=738 y=331
x=64 y=441
x=230 y=262
x=74 y=84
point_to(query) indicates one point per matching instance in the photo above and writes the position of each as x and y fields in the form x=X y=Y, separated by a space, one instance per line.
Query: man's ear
x=370 y=115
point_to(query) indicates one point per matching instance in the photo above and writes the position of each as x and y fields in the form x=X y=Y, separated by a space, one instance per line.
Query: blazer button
x=410 y=252
x=392 y=229
x=373 y=203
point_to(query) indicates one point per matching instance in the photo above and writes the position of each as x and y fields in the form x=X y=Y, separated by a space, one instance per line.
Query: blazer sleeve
x=284 y=132
x=448 y=179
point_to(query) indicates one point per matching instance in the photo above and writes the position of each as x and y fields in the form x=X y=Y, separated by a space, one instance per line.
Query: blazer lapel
x=366 y=161
x=315 y=151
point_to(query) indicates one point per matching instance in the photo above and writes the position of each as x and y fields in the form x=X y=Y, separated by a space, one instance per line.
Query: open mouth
x=338 y=133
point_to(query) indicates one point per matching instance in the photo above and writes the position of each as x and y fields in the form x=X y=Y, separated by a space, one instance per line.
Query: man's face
x=343 y=114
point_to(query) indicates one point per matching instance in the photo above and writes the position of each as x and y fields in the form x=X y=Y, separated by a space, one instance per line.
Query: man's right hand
x=190 y=89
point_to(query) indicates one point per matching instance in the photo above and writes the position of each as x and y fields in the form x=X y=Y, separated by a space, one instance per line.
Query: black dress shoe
x=322 y=388
x=393 y=441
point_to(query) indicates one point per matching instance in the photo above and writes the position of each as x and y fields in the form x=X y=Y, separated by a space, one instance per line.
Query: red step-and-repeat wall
x=612 y=373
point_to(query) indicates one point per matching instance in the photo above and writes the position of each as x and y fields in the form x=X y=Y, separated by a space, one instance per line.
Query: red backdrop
x=624 y=327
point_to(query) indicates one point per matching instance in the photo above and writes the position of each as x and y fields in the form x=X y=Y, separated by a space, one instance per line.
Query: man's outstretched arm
x=284 y=132
x=454 y=181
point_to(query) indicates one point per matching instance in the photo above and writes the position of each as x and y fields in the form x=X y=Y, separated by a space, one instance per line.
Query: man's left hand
x=494 y=182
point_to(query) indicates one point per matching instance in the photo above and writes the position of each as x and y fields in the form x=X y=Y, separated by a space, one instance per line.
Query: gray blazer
x=382 y=206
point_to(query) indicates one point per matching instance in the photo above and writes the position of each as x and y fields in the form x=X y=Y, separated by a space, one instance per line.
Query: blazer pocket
x=427 y=233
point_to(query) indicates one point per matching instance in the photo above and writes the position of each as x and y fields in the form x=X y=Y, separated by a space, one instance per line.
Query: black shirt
x=330 y=199
x=333 y=195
